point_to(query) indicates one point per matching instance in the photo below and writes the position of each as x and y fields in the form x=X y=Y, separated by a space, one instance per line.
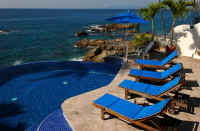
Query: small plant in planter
x=170 y=48
x=198 y=52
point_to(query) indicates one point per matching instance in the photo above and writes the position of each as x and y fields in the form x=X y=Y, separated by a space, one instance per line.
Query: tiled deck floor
x=85 y=117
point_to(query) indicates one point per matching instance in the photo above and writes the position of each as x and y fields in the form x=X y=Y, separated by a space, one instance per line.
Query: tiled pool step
x=54 y=122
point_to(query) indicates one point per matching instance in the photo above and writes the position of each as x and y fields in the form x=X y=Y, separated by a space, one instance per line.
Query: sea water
x=29 y=35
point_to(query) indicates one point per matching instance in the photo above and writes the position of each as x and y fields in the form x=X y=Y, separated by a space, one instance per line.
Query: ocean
x=48 y=34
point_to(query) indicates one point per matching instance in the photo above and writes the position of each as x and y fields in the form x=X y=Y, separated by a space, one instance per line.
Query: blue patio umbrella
x=127 y=17
x=130 y=20
x=123 y=15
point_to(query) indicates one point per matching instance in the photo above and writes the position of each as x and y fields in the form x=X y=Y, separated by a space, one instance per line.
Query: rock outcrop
x=115 y=27
x=86 y=43
x=106 y=48
x=82 y=33
x=107 y=28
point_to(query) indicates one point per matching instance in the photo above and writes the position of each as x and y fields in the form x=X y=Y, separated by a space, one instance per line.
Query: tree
x=162 y=21
x=178 y=8
x=149 y=14
x=194 y=6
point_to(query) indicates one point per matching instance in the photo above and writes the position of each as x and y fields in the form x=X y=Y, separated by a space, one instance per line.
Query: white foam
x=4 y=32
x=65 y=83
x=14 y=99
x=17 y=62
x=76 y=59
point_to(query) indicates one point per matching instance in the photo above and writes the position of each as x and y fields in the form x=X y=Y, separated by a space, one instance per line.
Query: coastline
x=50 y=42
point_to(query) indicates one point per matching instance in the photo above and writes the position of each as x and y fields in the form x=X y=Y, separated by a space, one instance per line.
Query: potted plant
x=170 y=48
x=198 y=52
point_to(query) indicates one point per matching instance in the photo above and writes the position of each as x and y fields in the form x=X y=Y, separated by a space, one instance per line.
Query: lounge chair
x=157 y=76
x=131 y=112
x=156 y=63
x=150 y=91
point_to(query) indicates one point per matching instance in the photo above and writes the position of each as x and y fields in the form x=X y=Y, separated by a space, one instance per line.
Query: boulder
x=100 y=57
x=130 y=32
x=82 y=33
x=82 y=43
x=90 y=56
x=115 y=27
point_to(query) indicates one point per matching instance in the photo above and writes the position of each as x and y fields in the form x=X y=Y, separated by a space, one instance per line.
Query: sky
x=85 y=4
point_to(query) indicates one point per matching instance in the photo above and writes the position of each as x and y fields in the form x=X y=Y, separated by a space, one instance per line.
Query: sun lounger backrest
x=171 y=70
x=169 y=57
x=169 y=85
x=152 y=109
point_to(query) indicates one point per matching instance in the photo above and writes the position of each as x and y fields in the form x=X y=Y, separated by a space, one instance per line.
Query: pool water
x=28 y=93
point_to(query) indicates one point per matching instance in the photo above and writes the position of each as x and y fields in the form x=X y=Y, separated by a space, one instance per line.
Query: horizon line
x=77 y=8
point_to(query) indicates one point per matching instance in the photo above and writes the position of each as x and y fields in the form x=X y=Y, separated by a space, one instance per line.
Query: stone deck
x=85 y=117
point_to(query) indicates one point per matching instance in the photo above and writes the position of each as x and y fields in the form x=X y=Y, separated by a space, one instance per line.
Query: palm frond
x=150 y=12
x=194 y=5
x=178 y=8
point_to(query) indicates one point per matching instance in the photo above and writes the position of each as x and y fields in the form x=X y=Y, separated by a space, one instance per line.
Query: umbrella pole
x=126 y=57
x=126 y=49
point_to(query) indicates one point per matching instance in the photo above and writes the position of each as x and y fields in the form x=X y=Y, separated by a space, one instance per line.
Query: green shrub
x=142 y=39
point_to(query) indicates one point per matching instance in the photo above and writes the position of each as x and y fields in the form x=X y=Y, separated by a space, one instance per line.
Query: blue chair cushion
x=171 y=70
x=129 y=109
x=145 y=73
x=148 y=88
x=154 y=74
x=169 y=57
x=107 y=100
x=169 y=85
x=152 y=110
x=148 y=62
x=156 y=62
x=139 y=87
x=126 y=108
x=119 y=105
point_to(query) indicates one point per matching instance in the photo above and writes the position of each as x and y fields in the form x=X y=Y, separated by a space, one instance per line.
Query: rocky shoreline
x=107 y=28
x=100 y=49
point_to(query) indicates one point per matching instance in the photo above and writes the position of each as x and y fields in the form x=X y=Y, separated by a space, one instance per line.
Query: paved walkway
x=85 y=117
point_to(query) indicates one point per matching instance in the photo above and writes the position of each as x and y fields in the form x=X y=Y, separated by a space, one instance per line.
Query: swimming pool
x=30 y=92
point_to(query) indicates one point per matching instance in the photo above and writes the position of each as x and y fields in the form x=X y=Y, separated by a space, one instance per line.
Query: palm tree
x=195 y=7
x=162 y=21
x=149 y=14
x=178 y=8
